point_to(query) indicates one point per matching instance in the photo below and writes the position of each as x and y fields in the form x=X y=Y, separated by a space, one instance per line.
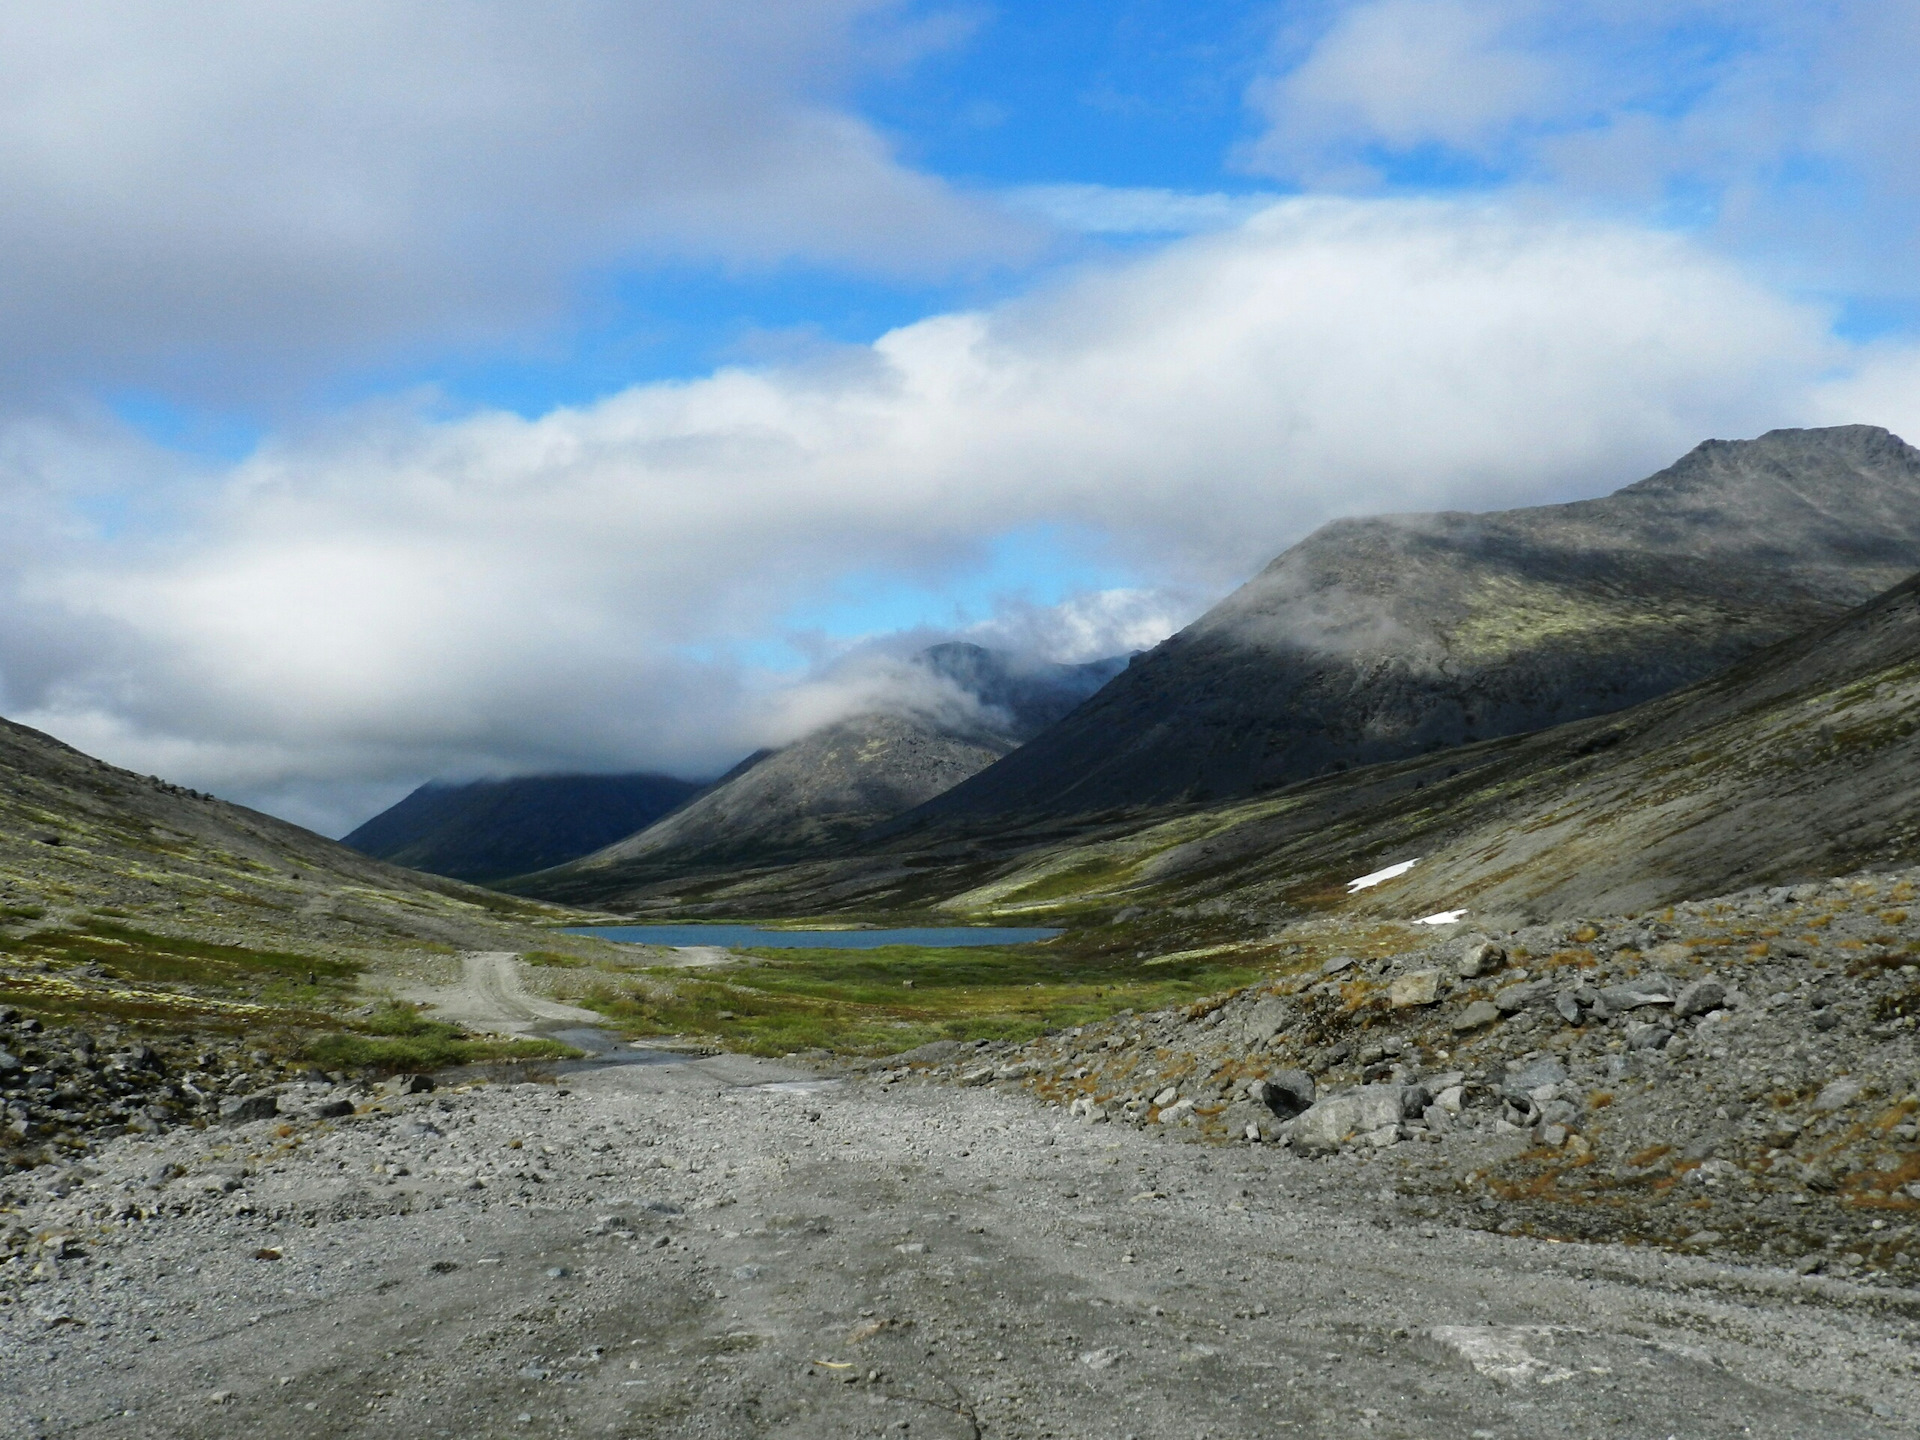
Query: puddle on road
x=604 y=1048
x=798 y=1087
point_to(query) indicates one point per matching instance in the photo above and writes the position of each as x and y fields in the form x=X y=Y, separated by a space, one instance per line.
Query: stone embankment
x=1737 y=1075
x=66 y=1089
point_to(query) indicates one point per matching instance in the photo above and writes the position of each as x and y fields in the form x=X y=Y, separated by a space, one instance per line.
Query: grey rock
x=1480 y=956
x=245 y=1108
x=1286 y=1093
x=1515 y=998
x=1839 y=1094
x=1641 y=1036
x=1477 y=1015
x=1635 y=995
x=1330 y=1123
x=1546 y=1070
x=1264 y=1021
x=1698 y=998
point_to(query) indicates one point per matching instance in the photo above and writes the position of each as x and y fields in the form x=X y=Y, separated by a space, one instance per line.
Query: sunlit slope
x=1376 y=639
x=79 y=835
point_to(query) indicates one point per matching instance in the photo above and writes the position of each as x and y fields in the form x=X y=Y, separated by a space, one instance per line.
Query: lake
x=736 y=937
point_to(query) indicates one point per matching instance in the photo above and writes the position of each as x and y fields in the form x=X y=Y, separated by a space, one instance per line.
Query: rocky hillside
x=843 y=779
x=490 y=829
x=1801 y=761
x=1381 y=638
x=1734 y=1075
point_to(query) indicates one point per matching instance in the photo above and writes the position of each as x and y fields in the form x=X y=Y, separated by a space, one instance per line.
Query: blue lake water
x=743 y=936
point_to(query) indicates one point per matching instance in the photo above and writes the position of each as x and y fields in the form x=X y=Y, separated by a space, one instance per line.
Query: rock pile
x=64 y=1088
x=1734 y=1073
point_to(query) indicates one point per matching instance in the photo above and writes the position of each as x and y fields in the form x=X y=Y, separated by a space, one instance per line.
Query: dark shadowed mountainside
x=846 y=777
x=1798 y=763
x=490 y=829
x=1375 y=639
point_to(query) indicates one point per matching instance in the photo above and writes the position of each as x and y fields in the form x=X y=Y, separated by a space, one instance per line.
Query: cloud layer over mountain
x=1538 y=264
x=398 y=593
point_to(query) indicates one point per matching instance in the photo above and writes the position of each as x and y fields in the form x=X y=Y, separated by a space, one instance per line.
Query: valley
x=1456 y=1066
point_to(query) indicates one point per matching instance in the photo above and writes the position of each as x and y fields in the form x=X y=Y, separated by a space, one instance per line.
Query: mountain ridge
x=1381 y=637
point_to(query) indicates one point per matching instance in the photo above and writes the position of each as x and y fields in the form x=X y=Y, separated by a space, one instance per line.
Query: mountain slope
x=80 y=839
x=1379 y=638
x=1798 y=763
x=493 y=828
x=846 y=777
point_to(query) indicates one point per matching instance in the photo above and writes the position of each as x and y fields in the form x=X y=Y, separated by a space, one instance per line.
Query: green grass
x=167 y=959
x=398 y=1038
x=861 y=1002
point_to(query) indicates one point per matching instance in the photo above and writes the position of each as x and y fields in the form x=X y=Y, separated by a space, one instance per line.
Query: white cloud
x=208 y=196
x=1142 y=210
x=401 y=596
x=1783 y=131
x=1408 y=73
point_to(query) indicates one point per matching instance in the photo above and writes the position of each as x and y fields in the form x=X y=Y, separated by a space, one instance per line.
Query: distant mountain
x=1379 y=638
x=1798 y=763
x=491 y=829
x=842 y=779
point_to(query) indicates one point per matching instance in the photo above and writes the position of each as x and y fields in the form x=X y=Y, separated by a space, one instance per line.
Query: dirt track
x=676 y=1249
x=492 y=998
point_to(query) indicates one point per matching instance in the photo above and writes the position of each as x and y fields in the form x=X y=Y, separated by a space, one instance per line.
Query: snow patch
x=1392 y=872
x=1440 y=917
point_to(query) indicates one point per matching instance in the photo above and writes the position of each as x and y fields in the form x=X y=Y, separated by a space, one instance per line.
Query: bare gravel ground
x=724 y=1247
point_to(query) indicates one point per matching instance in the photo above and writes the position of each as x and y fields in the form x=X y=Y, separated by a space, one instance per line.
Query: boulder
x=1634 y=994
x=1698 y=998
x=1330 y=1123
x=1284 y=1093
x=1547 y=1070
x=1266 y=1019
x=1422 y=987
x=245 y=1108
x=1515 y=998
x=1480 y=956
x=1839 y=1094
x=1476 y=1015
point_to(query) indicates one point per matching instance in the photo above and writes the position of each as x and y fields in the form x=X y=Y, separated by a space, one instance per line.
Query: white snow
x=1392 y=872
x=1440 y=917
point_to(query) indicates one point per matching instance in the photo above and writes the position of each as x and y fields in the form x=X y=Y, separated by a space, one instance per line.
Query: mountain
x=1799 y=763
x=1375 y=639
x=490 y=829
x=89 y=849
x=848 y=776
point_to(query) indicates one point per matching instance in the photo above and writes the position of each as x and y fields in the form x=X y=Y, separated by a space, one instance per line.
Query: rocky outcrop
x=1740 y=1073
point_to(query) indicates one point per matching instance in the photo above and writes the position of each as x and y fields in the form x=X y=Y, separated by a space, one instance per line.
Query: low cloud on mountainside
x=1545 y=250
x=398 y=595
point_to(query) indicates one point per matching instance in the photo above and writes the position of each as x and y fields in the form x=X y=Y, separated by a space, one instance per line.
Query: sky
x=470 y=388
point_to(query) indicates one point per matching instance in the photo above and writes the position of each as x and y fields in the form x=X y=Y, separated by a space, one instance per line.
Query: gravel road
x=492 y=997
x=729 y=1247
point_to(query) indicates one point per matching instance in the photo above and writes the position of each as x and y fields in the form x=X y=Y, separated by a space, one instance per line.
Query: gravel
x=672 y=1249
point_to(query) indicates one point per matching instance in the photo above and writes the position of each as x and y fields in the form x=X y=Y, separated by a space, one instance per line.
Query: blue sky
x=371 y=376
